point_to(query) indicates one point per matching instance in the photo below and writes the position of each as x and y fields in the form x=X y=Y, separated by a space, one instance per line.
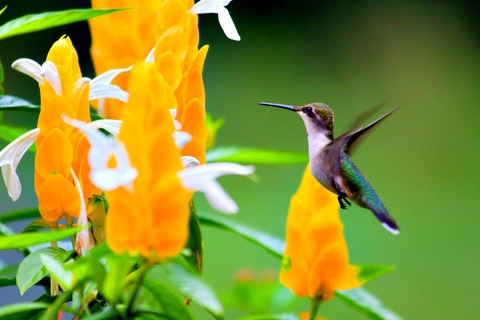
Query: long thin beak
x=283 y=106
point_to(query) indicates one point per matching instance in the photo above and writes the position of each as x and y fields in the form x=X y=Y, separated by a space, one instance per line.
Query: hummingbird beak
x=283 y=106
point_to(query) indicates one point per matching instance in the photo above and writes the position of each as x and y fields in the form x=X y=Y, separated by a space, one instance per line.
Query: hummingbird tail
x=387 y=221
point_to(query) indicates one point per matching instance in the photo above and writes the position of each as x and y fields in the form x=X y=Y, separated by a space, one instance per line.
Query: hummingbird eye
x=308 y=110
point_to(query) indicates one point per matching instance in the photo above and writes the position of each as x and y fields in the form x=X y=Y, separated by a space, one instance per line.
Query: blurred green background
x=352 y=55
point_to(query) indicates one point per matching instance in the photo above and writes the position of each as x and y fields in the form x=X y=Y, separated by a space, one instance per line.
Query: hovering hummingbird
x=330 y=163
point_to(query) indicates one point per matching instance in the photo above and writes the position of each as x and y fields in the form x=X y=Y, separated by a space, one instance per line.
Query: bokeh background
x=352 y=55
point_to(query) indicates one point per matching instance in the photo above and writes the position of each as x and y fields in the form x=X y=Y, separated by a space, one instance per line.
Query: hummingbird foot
x=344 y=203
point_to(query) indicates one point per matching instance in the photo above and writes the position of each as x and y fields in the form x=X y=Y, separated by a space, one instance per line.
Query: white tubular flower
x=151 y=55
x=181 y=138
x=103 y=148
x=189 y=161
x=112 y=126
x=47 y=71
x=176 y=123
x=202 y=178
x=10 y=157
x=218 y=7
x=82 y=243
x=100 y=86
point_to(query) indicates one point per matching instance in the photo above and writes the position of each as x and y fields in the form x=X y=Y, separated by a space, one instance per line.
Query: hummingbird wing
x=362 y=118
x=349 y=138
x=362 y=192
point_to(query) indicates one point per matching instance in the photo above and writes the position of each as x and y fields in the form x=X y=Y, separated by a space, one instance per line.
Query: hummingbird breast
x=325 y=167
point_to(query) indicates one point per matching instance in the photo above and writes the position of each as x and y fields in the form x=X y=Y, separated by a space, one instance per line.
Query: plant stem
x=314 y=309
x=142 y=272
x=53 y=282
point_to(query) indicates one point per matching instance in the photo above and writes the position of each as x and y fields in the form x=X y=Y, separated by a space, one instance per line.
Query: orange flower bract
x=126 y=38
x=60 y=147
x=151 y=216
x=316 y=256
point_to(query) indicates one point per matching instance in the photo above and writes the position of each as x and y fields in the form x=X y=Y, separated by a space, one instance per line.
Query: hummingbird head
x=317 y=117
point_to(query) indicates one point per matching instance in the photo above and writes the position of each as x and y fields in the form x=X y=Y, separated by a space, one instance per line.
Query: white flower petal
x=50 y=73
x=202 y=178
x=10 y=157
x=218 y=7
x=30 y=68
x=227 y=25
x=208 y=6
x=112 y=126
x=100 y=86
x=102 y=149
x=101 y=108
x=189 y=161
x=80 y=82
x=151 y=55
x=176 y=123
x=219 y=199
x=82 y=243
x=181 y=138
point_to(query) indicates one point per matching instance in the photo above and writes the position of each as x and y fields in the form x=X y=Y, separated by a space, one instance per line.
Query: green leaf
x=1 y=69
x=195 y=242
x=269 y=317
x=30 y=239
x=273 y=245
x=56 y=269
x=7 y=232
x=8 y=271
x=31 y=269
x=89 y=268
x=45 y=20
x=366 y=303
x=19 y=215
x=39 y=224
x=7 y=275
x=369 y=272
x=52 y=312
x=23 y=311
x=171 y=303
x=212 y=128
x=187 y=281
x=9 y=311
x=255 y=156
x=118 y=267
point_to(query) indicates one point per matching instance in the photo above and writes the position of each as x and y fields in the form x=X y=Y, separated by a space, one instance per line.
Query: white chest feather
x=316 y=142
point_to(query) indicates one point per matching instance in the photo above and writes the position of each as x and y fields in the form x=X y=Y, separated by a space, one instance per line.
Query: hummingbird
x=330 y=163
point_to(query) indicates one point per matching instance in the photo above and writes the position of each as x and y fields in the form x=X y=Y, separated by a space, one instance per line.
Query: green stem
x=142 y=273
x=314 y=309
x=53 y=282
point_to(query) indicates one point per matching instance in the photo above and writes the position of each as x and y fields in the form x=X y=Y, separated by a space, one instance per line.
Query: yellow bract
x=126 y=38
x=151 y=216
x=316 y=256
x=121 y=40
x=60 y=147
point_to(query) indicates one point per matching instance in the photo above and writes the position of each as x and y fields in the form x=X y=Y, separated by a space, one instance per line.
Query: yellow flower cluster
x=161 y=40
x=316 y=256
x=62 y=150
